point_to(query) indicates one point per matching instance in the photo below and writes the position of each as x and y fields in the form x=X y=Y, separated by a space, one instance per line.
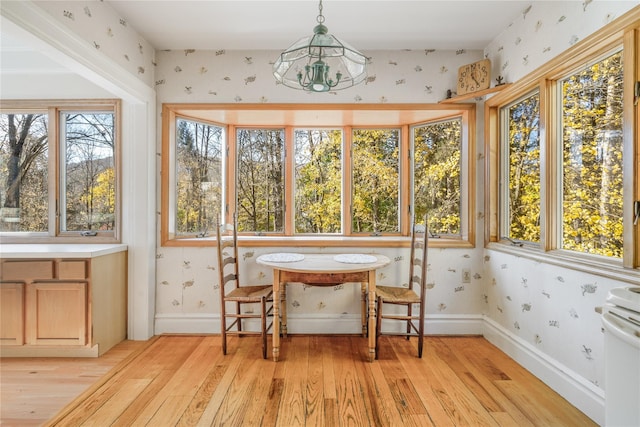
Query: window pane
x=88 y=172
x=436 y=175
x=592 y=159
x=375 y=180
x=260 y=180
x=318 y=186
x=24 y=202
x=522 y=135
x=198 y=176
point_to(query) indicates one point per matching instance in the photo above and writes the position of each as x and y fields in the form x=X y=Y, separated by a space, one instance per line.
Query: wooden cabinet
x=63 y=306
x=56 y=313
x=11 y=313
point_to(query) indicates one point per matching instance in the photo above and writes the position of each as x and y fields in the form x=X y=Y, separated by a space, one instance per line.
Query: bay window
x=285 y=179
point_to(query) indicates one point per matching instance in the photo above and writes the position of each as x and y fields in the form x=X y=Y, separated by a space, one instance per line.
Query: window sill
x=321 y=241
x=610 y=269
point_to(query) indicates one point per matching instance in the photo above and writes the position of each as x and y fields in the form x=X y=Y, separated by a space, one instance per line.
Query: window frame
x=344 y=117
x=623 y=33
x=54 y=109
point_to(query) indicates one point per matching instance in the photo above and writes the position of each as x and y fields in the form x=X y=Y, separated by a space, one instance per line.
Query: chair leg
x=409 y=313
x=421 y=331
x=378 y=325
x=223 y=327
x=263 y=317
x=239 y=319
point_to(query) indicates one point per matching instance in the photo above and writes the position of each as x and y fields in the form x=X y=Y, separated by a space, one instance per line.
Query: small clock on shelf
x=474 y=77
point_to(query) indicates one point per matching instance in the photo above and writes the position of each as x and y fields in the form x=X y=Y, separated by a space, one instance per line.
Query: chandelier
x=320 y=62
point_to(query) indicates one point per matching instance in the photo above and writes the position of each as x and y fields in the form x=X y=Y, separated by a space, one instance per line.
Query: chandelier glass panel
x=320 y=62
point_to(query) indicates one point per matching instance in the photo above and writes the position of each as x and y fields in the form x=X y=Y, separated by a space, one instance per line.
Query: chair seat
x=397 y=295
x=250 y=293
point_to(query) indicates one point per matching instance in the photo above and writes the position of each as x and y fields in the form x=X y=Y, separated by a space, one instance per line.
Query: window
x=561 y=174
x=199 y=173
x=375 y=181
x=520 y=171
x=318 y=180
x=260 y=180
x=592 y=148
x=284 y=180
x=437 y=175
x=59 y=175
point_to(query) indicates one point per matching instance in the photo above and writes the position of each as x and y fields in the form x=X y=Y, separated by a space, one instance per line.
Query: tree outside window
x=88 y=172
x=437 y=175
x=24 y=158
x=199 y=154
x=522 y=193
x=375 y=180
x=318 y=180
x=592 y=147
x=260 y=180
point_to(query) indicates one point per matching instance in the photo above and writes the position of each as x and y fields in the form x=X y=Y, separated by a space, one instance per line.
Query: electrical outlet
x=466 y=275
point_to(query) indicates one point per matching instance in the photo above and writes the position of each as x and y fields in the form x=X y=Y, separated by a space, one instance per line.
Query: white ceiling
x=365 y=24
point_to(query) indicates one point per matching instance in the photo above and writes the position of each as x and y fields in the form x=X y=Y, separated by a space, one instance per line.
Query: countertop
x=62 y=250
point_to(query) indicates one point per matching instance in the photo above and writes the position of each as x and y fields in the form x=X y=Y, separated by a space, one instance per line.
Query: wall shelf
x=475 y=94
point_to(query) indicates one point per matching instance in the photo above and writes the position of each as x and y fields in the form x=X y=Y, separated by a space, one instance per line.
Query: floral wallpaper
x=188 y=284
x=99 y=25
x=418 y=76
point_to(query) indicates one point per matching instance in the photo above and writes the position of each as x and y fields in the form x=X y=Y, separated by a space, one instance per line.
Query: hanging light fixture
x=320 y=62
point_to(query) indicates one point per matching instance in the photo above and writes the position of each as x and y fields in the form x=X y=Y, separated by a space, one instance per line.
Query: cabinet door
x=11 y=313
x=56 y=313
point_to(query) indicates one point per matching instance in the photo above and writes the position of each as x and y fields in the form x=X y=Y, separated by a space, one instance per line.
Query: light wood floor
x=319 y=381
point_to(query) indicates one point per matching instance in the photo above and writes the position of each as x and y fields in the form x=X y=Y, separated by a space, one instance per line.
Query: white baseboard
x=444 y=324
x=580 y=392
x=583 y=394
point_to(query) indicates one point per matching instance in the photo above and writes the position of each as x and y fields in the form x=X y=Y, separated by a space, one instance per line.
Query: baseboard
x=444 y=324
x=48 y=351
x=580 y=392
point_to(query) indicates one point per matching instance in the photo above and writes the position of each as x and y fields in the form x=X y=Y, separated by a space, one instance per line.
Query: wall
x=186 y=277
x=547 y=312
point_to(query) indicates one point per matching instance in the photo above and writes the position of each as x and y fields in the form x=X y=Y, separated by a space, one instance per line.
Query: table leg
x=363 y=308
x=276 y=314
x=372 y=315
x=283 y=308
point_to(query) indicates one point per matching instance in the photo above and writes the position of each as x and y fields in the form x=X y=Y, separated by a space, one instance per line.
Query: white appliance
x=621 y=320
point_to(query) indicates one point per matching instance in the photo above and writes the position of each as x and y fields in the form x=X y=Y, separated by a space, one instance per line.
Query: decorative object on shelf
x=499 y=81
x=307 y=63
x=474 y=77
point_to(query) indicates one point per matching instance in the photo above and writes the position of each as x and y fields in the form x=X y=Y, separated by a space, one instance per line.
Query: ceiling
x=365 y=24
x=261 y=25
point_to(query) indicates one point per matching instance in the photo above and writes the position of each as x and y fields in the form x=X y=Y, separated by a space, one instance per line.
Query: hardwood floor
x=319 y=380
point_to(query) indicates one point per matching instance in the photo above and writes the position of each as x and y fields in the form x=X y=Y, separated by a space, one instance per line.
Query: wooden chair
x=410 y=296
x=239 y=296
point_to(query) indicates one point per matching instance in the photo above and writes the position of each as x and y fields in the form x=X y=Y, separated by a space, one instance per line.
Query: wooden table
x=323 y=270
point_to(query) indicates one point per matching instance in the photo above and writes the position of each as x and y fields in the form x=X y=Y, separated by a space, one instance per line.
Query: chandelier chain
x=320 y=17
